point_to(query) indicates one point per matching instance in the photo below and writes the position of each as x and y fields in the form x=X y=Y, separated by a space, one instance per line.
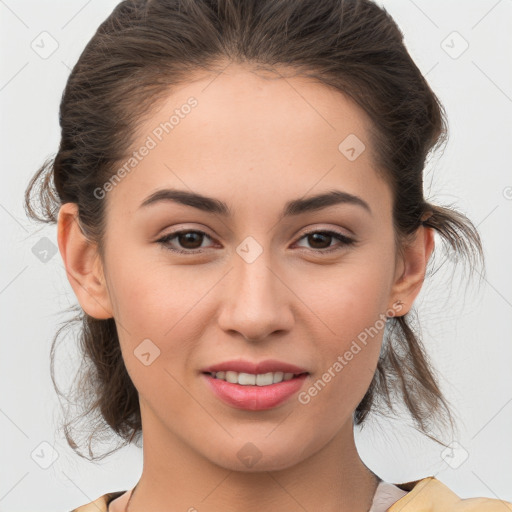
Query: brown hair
x=147 y=47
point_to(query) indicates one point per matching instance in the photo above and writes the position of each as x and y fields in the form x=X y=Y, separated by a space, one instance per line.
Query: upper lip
x=242 y=366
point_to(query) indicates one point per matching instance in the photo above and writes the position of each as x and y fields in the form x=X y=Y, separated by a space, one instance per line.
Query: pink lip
x=255 y=398
x=241 y=366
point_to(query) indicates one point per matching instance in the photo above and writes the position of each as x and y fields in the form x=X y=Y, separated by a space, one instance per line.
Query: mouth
x=254 y=392
x=254 y=386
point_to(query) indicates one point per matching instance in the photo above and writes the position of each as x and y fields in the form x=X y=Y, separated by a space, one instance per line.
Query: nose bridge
x=255 y=302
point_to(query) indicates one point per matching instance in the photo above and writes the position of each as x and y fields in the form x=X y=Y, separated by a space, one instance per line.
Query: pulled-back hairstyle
x=144 y=50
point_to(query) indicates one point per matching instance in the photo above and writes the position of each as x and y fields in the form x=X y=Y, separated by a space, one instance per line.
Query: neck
x=177 y=478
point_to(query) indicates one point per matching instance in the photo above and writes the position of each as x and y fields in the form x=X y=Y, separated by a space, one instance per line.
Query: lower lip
x=255 y=398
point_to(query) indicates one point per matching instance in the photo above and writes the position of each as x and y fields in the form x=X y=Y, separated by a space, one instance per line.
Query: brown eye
x=189 y=241
x=320 y=241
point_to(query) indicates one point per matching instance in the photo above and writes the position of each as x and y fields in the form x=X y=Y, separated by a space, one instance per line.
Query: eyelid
x=326 y=229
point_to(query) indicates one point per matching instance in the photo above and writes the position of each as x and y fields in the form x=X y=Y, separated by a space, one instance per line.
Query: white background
x=467 y=330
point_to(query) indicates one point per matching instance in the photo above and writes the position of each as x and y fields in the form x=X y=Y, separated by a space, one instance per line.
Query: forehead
x=248 y=137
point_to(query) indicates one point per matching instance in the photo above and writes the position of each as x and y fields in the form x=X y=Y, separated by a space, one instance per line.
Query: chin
x=253 y=457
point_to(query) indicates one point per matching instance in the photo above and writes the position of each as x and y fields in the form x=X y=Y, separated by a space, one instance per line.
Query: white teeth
x=231 y=377
x=250 y=379
x=278 y=377
x=264 y=379
x=247 y=379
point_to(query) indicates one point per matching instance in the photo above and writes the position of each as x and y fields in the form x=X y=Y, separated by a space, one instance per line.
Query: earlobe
x=83 y=264
x=412 y=269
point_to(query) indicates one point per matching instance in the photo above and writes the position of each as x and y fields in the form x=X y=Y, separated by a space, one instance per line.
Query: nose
x=257 y=300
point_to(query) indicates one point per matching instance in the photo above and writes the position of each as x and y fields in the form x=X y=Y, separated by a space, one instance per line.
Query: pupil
x=315 y=236
x=189 y=237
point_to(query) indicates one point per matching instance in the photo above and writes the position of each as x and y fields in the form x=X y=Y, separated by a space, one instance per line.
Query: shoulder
x=432 y=495
x=100 y=504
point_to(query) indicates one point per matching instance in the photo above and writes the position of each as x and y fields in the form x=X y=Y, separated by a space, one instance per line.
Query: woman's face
x=253 y=282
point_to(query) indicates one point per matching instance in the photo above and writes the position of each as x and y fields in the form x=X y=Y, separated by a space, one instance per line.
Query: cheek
x=157 y=314
x=151 y=295
x=349 y=297
x=350 y=307
x=149 y=299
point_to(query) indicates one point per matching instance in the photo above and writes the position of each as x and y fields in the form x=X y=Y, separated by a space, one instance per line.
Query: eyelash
x=345 y=241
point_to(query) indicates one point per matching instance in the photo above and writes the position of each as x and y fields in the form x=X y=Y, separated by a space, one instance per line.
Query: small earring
x=397 y=307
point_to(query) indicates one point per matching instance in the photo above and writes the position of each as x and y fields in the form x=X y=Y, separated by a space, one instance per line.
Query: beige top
x=425 y=495
x=385 y=495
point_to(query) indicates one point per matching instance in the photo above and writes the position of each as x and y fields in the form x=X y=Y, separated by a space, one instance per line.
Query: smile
x=247 y=394
x=249 y=379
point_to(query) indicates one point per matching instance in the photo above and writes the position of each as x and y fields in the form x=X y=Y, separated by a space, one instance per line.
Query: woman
x=238 y=193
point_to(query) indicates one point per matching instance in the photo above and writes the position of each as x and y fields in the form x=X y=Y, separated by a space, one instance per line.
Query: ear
x=411 y=268
x=83 y=264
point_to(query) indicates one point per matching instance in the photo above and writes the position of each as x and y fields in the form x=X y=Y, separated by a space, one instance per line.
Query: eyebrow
x=291 y=208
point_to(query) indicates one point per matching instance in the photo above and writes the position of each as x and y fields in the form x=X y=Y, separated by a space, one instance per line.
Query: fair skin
x=254 y=144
